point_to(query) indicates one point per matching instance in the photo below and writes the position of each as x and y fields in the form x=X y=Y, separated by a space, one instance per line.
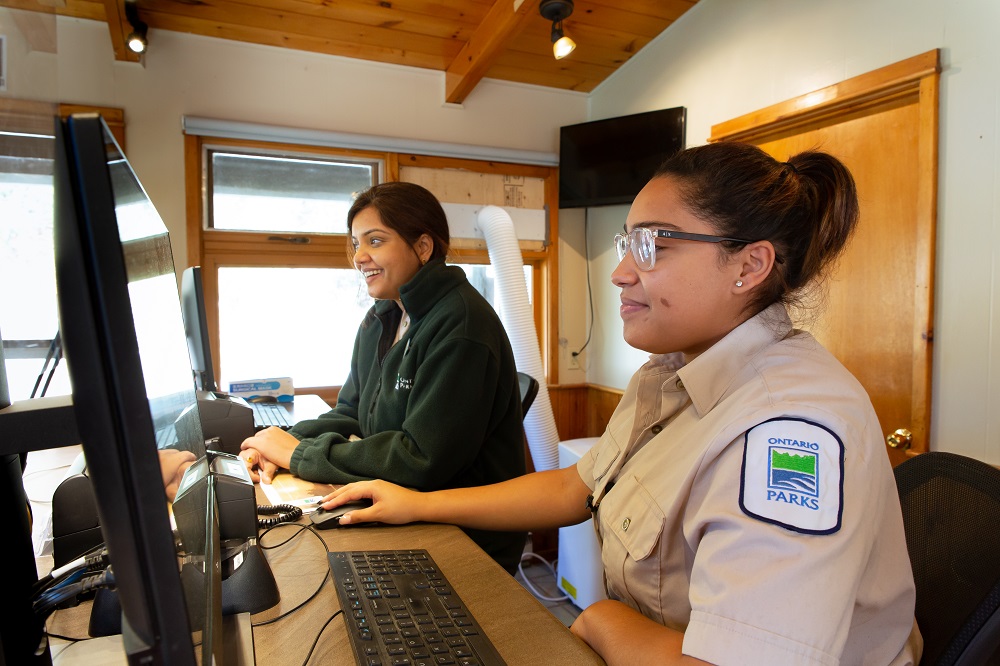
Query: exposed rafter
x=118 y=26
x=467 y=40
x=493 y=36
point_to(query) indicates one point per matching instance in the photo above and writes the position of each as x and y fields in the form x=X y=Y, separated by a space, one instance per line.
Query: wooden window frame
x=212 y=248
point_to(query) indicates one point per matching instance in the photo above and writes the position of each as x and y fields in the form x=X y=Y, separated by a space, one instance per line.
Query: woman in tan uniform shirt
x=746 y=507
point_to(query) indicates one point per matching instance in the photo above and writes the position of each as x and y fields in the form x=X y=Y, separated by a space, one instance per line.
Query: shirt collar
x=709 y=376
x=425 y=289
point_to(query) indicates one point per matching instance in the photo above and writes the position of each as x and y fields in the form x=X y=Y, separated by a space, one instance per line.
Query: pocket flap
x=629 y=512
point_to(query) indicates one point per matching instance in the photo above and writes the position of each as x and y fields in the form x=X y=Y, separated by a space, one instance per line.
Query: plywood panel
x=469 y=187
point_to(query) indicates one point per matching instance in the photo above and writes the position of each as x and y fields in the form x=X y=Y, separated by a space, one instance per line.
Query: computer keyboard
x=267 y=414
x=401 y=611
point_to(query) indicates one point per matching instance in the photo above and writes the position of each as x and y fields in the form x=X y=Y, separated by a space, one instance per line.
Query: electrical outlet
x=574 y=361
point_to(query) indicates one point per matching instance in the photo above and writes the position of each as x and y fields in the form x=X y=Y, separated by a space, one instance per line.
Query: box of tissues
x=272 y=388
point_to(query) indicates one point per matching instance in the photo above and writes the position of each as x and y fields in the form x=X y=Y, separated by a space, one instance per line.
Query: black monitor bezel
x=110 y=401
x=196 y=329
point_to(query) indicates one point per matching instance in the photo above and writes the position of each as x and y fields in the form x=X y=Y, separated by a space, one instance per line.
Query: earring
x=739 y=283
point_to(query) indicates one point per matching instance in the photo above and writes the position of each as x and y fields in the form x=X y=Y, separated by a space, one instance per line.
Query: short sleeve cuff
x=585 y=467
x=725 y=642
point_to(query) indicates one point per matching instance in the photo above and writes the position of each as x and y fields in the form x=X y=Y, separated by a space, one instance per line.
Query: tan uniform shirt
x=746 y=499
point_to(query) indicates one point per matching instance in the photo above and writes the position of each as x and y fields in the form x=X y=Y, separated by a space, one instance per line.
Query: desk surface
x=522 y=630
x=306 y=406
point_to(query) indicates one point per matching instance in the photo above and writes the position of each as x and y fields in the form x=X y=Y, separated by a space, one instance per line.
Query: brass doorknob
x=901 y=439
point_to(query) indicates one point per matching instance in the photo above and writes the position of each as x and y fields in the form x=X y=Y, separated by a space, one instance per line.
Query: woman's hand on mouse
x=392 y=504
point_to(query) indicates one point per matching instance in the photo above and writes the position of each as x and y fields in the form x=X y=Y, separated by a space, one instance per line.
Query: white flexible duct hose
x=505 y=256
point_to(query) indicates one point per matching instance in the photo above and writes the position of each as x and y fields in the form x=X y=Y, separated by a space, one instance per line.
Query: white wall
x=214 y=78
x=725 y=58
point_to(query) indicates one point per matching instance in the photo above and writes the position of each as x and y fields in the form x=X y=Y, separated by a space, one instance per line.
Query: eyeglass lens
x=643 y=247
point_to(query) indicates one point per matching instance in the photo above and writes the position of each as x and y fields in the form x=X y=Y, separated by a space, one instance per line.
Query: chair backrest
x=951 y=515
x=528 y=386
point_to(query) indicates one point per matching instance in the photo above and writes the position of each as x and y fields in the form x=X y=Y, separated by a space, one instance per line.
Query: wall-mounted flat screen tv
x=607 y=162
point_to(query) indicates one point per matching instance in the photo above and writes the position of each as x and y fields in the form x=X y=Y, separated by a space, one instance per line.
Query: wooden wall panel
x=582 y=410
x=601 y=404
x=569 y=407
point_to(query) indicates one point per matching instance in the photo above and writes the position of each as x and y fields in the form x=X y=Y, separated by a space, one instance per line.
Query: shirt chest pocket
x=632 y=527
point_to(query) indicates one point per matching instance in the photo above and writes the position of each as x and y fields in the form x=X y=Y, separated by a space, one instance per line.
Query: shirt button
x=625 y=524
x=656 y=429
x=680 y=384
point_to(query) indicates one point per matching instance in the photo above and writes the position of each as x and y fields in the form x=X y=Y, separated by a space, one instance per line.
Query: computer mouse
x=323 y=519
x=262 y=398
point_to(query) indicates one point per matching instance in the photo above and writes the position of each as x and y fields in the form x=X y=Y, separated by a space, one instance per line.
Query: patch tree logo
x=793 y=470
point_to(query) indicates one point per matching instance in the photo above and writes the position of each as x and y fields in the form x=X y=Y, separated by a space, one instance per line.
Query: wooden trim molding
x=903 y=78
x=923 y=271
x=21 y=115
x=114 y=118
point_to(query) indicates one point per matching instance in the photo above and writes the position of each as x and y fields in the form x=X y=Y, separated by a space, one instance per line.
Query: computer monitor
x=196 y=329
x=132 y=395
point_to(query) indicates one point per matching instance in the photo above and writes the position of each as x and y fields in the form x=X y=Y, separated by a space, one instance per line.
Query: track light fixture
x=556 y=11
x=137 y=38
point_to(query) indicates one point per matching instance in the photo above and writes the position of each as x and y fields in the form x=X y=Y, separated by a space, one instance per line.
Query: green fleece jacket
x=439 y=409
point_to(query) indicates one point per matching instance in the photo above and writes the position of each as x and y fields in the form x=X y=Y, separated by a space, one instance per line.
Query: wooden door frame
x=917 y=78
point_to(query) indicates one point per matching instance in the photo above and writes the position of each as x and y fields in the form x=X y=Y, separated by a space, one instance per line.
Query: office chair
x=951 y=516
x=528 y=386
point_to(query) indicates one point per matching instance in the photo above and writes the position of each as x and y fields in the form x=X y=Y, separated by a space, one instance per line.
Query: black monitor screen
x=124 y=340
x=606 y=162
x=196 y=329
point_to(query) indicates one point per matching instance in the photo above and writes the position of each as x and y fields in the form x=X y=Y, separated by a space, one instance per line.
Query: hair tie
x=791 y=166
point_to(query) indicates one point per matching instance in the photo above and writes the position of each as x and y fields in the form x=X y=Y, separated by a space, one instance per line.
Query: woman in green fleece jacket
x=432 y=398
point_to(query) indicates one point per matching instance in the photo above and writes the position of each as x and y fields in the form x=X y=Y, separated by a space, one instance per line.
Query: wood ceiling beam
x=119 y=27
x=501 y=25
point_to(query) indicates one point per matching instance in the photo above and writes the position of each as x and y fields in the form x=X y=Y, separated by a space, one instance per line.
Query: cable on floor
x=527 y=583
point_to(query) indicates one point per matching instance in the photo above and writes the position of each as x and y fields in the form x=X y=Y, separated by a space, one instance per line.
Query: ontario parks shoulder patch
x=793 y=476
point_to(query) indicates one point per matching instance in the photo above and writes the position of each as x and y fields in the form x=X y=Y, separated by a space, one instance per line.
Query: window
x=310 y=335
x=29 y=312
x=289 y=322
x=29 y=316
x=269 y=231
x=284 y=193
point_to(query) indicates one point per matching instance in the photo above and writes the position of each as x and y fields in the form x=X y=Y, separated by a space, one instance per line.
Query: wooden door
x=875 y=312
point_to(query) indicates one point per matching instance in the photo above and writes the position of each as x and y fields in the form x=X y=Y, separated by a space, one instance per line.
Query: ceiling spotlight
x=556 y=11
x=136 y=41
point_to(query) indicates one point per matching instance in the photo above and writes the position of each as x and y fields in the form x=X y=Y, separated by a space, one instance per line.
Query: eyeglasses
x=643 y=243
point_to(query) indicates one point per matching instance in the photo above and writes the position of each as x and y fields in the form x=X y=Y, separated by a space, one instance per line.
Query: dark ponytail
x=806 y=207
